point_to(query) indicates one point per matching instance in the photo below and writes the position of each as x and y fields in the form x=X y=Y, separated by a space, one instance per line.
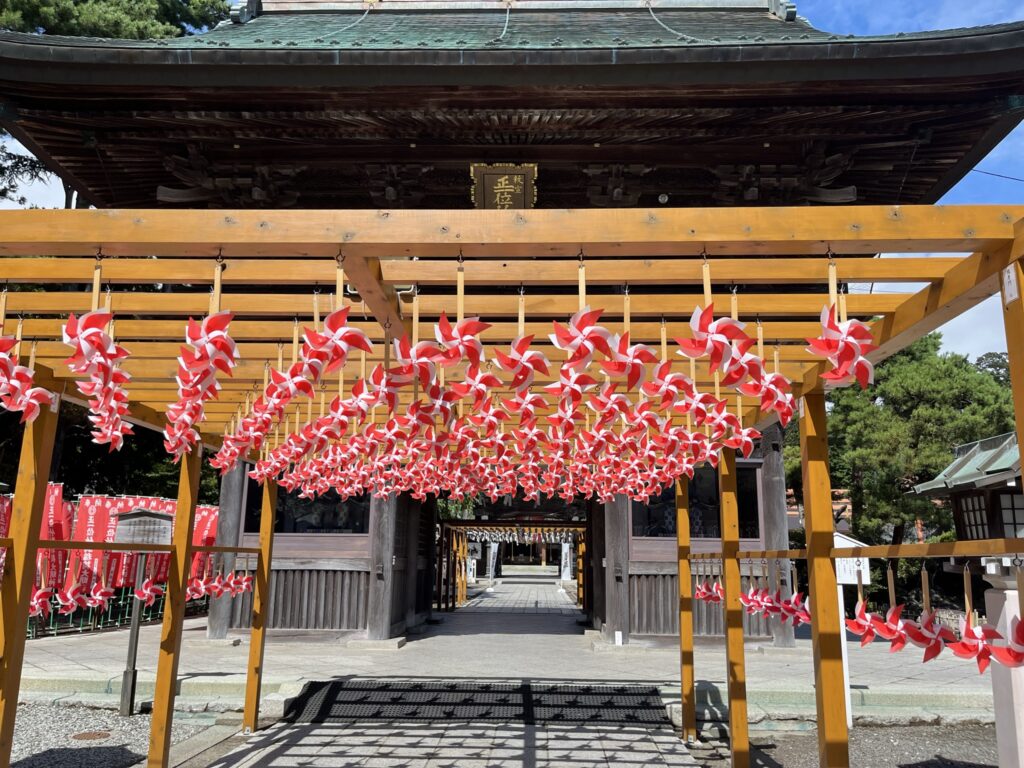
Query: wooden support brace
x=169 y=654
x=19 y=578
x=739 y=733
x=1012 y=290
x=260 y=604
x=687 y=676
x=827 y=630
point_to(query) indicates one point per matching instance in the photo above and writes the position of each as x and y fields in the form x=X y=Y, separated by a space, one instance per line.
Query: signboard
x=142 y=526
x=504 y=186
x=847 y=567
x=1011 y=288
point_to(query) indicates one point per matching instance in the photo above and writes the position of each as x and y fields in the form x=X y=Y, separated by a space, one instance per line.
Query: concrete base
x=362 y=644
x=1001 y=607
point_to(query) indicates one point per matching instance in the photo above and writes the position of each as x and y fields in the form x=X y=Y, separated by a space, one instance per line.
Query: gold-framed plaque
x=504 y=186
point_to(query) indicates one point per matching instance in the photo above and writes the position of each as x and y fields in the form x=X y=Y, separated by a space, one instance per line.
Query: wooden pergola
x=278 y=270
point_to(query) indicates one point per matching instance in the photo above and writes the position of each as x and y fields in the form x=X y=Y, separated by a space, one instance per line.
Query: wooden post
x=616 y=531
x=776 y=527
x=229 y=525
x=1013 y=320
x=687 y=679
x=439 y=570
x=260 y=604
x=827 y=629
x=16 y=592
x=413 y=514
x=382 y=551
x=732 y=586
x=174 y=611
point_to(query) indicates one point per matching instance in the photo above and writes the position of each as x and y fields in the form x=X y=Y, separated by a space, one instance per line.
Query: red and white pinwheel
x=795 y=610
x=99 y=597
x=629 y=361
x=846 y=346
x=522 y=362
x=39 y=605
x=975 y=643
x=929 y=634
x=892 y=628
x=719 y=339
x=17 y=393
x=862 y=624
x=72 y=599
x=98 y=357
x=460 y=341
x=1012 y=654
x=582 y=338
x=148 y=592
x=210 y=349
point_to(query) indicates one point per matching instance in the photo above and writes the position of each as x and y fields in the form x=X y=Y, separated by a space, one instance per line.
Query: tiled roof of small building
x=985 y=462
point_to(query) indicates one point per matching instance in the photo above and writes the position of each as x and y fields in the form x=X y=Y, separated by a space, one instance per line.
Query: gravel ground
x=44 y=737
x=971 y=746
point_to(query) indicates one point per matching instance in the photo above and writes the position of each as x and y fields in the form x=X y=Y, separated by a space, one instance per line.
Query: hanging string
x=218 y=281
x=968 y=597
x=625 y=308
x=891 y=580
x=833 y=282
x=3 y=307
x=664 y=340
x=97 y=276
x=926 y=592
x=860 y=584
x=508 y=13
x=356 y=22
x=842 y=304
x=521 y=327
x=582 y=281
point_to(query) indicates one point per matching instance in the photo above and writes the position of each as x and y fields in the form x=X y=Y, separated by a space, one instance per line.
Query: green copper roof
x=986 y=462
x=583 y=28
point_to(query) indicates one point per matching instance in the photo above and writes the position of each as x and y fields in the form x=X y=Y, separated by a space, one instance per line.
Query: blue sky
x=981 y=329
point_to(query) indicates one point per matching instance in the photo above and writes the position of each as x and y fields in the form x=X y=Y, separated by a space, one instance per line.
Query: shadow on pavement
x=108 y=757
x=525 y=701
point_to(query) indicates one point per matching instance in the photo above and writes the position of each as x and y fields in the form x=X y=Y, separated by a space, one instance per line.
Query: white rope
x=504 y=30
x=346 y=29
x=667 y=28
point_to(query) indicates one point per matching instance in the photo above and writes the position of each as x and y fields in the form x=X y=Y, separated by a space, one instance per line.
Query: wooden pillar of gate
x=616 y=531
x=827 y=629
x=383 y=519
x=1012 y=284
x=687 y=680
x=169 y=654
x=26 y=518
x=739 y=734
x=439 y=562
x=260 y=604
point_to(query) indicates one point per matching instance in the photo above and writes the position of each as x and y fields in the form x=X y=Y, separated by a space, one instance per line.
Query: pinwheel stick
x=926 y=592
x=968 y=597
x=890 y=578
x=1020 y=587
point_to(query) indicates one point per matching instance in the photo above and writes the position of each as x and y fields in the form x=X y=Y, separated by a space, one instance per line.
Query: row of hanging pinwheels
x=975 y=641
x=432 y=447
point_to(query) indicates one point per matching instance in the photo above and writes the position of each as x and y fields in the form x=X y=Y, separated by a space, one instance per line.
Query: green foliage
x=997 y=365
x=901 y=432
x=456 y=509
x=130 y=19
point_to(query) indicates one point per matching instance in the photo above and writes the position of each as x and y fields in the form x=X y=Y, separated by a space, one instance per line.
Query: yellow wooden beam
x=750 y=271
x=260 y=605
x=739 y=729
x=1012 y=294
x=20 y=569
x=828 y=632
x=169 y=655
x=548 y=232
x=687 y=677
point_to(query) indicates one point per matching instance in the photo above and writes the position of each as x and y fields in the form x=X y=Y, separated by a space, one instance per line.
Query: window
x=324 y=514
x=1011 y=506
x=657 y=518
x=973 y=515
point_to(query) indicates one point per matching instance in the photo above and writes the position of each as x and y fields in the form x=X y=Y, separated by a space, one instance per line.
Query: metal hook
x=735 y=288
x=99 y=253
x=831 y=255
x=461 y=257
x=340 y=258
x=704 y=253
x=220 y=255
x=580 y=256
x=625 y=289
x=522 y=289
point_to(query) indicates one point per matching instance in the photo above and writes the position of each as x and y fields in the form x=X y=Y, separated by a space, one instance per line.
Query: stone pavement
x=486 y=645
